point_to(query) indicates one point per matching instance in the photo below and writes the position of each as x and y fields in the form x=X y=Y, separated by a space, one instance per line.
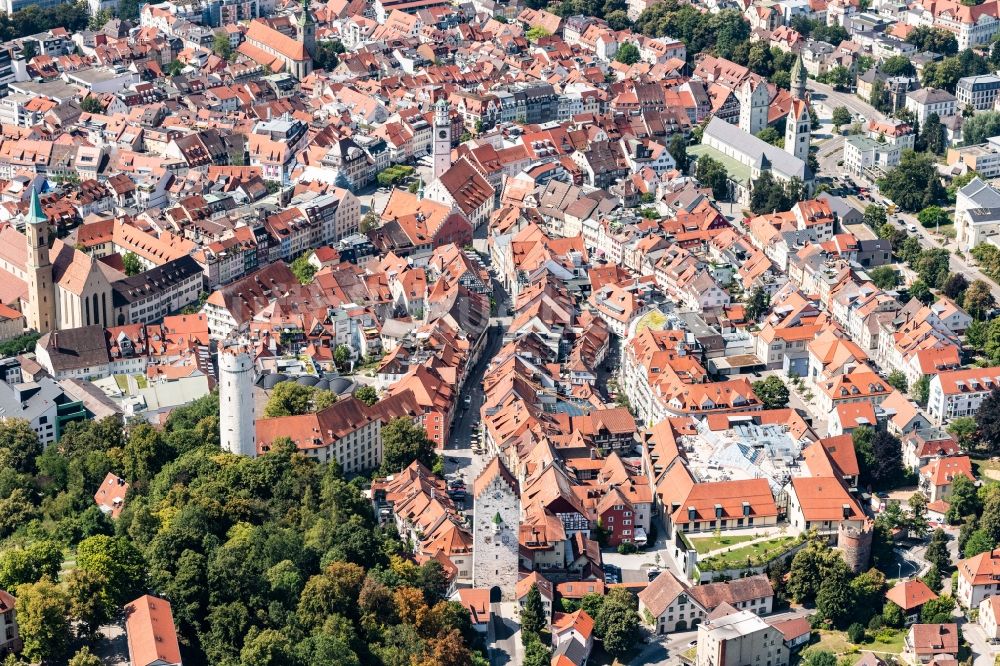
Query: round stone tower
x=856 y=544
x=237 y=413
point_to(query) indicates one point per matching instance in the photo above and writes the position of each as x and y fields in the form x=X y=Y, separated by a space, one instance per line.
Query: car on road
x=467 y=400
x=912 y=228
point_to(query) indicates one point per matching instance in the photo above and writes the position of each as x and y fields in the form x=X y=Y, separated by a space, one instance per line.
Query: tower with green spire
x=307 y=29
x=41 y=310
x=798 y=78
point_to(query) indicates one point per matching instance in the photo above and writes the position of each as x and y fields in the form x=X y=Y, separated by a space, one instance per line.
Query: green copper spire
x=306 y=18
x=35 y=214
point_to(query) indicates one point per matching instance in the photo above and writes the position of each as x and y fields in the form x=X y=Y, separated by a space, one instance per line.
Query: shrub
x=626 y=548
x=856 y=633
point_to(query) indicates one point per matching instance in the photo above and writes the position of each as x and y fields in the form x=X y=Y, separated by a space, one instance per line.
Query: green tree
x=402 y=443
x=835 y=600
x=19 y=446
x=914 y=184
x=988 y=420
x=932 y=134
x=342 y=356
x=893 y=615
x=772 y=392
x=875 y=215
x=954 y=287
x=897 y=380
x=936 y=611
x=368 y=222
x=841 y=117
x=712 y=174
x=884 y=277
x=98 y=20
x=132 y=264
x=90 y=600
x=757 y=304
x=921 y=390
x=820 y=658
x=965 y=430
x=327 y=56
x=897 y=66
x=536 y=653
x=980 y=127
x=367 y=395
x=760 y=60
x=628 y=54
x=617 y=623
x=810 y=567
x=303 y=270
x=979 y=542
x=935 y=40
x=532 y=615
x=222 y=46
x=144 y=454
x=91 y=104
x=334 y=591
x=84 y=657
x=963 y=501
x=978 y=300
x=289 y=399
x=268 y=647
x=43 y=620
x=536 y=33
x=932 y=266
x=618 y=20
x=933 y=216
x=118 y=561
x=937 y=550
x=30 y=564
x=678 y=150
x=920 y=291
x=771 y=136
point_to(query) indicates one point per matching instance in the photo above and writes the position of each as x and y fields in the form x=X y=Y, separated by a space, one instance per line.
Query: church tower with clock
x=442 y=137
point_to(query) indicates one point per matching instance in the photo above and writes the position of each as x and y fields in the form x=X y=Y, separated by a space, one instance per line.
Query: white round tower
x=237 y=414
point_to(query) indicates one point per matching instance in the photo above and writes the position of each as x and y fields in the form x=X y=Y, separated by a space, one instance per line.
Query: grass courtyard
x=755 y=553
x=708 y=544
x=886 y=641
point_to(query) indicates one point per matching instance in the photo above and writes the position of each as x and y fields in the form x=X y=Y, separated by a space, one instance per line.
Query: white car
x=912 y=228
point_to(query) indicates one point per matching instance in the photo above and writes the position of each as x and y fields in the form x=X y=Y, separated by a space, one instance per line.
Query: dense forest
x=269 y=561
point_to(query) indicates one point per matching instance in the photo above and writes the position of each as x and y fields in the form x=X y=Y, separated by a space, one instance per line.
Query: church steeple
x=41 y=311
x=307 y=29
x=798 y=78
x=442 y=136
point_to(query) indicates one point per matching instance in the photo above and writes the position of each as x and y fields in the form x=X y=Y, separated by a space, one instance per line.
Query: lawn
x=946 y=230
x=758 y=553
x=983 y=465
x=708 y=544
x=122 y=382
x=837 y=643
